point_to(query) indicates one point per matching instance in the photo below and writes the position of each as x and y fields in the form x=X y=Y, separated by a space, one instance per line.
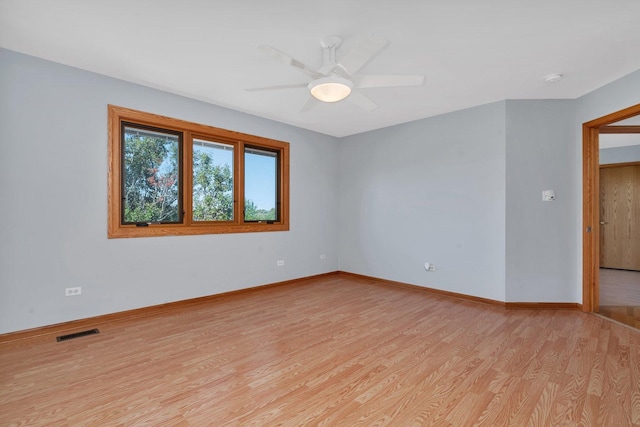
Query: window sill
x=159 y=230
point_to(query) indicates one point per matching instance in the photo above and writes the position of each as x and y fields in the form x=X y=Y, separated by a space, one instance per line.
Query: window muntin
x=212 y=183
x=260 y=185
x=177 y=170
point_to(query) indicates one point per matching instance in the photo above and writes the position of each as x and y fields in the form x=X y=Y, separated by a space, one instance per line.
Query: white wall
x=53 y=220
x=430 y=190
x=540 y=246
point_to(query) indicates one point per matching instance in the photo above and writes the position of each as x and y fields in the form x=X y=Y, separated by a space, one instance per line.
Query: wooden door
x=620 y=217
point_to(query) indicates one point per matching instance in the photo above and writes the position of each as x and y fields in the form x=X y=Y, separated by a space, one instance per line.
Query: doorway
x=599 y=213
x=619 y=284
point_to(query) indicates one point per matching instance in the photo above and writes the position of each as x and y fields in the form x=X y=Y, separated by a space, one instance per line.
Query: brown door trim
x=590 y=204
x=620 y=129
x=619 y=165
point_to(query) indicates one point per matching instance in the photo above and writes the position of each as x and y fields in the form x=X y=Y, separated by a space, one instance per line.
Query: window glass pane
x=212 y=181
x=151 y=188
x=260 y=185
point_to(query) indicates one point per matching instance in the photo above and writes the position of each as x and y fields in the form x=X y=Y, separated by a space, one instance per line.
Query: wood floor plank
x=620 y=296
x=333 y=351
x=634 y=366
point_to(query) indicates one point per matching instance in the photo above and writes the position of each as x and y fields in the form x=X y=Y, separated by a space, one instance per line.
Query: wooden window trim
x=191 y=130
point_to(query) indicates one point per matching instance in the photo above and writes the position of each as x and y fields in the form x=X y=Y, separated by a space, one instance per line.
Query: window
x=212 y=182
x=150 y=175
x=172 y=177
x=260 y=185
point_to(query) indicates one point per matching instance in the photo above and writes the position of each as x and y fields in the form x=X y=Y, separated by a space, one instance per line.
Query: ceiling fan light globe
x=330 y=89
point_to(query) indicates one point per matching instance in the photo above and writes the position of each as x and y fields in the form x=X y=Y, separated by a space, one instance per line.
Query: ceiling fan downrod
x=329 y=45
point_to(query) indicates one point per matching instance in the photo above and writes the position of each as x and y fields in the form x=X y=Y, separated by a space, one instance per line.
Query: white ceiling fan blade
x=361 y=100
x=277 y=87
x=311 y=102
x=388 y=80
x=291 y=61
x=362 y=54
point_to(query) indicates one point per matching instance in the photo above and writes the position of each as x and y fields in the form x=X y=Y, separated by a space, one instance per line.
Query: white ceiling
x=471 y=52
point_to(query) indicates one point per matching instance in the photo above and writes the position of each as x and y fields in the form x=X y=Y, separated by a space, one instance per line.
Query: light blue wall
x=464 y=191
x=53 y=220
x=461 y=190
x=432 y=190
x=540 y=244
x=615 y=96
x=405 y=197
x=626 y=154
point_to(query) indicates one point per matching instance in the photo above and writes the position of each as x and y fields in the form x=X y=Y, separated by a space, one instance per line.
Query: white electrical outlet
x=323 y=256
x=280 y=263
x=72 y=292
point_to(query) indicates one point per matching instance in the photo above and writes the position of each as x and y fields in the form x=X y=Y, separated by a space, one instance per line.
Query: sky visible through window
x=260 y=176
x=260 y=180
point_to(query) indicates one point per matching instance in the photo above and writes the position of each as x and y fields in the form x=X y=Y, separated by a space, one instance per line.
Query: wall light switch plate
x=548 y=195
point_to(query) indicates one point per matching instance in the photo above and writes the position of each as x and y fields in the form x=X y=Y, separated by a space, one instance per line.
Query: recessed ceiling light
x=553 y=78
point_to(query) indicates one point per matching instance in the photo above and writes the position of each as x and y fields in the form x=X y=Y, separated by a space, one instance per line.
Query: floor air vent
x=77 y=335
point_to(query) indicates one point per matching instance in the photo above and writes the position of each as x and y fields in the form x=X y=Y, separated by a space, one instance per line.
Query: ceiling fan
x=335 y=81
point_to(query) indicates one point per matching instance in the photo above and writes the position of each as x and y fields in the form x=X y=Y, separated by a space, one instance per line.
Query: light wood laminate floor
x=332 y=351
x=620 y=296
